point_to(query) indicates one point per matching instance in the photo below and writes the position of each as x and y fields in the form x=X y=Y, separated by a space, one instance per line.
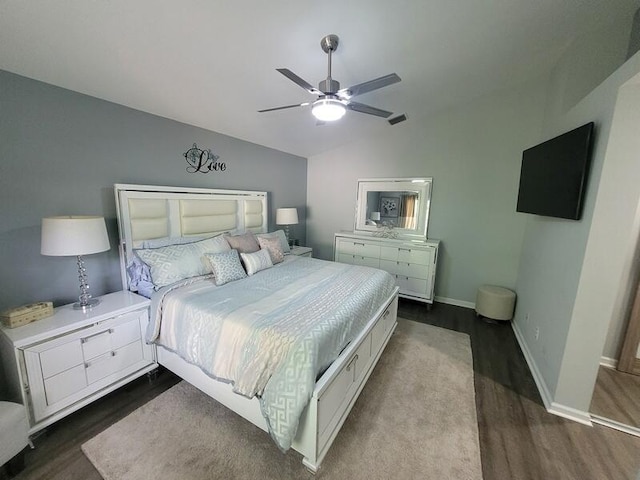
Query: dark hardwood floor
x=617 y=397
x=518 y=438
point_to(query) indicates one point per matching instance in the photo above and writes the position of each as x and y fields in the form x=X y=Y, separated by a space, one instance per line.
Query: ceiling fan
x=333 y=102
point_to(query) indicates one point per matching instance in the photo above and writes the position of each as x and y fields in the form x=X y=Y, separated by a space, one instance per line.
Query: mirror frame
x=423 y=185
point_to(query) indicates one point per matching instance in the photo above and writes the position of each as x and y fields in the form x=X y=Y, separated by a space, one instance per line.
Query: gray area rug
x=415 y=419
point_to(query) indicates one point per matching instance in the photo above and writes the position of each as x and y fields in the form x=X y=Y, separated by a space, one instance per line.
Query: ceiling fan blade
x=284 y=107
x=299 y=81
x=369 y=86
x=362 y=108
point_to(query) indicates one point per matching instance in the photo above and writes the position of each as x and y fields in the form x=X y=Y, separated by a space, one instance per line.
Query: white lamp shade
x=375 y=216
x=286 y=216
x=73 y=235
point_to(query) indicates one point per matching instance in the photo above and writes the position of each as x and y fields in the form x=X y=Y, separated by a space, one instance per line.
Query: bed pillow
x=165 y=241
x=273 y=246
x=139 y=274
x=277 y=234
x=226 y=266
x=176 y=262
x=245 y=243
x=254 y=262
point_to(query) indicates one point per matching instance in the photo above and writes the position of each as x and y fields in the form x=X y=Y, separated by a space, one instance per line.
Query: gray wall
x=566 y=293
x=60 y=154
x=473 y=154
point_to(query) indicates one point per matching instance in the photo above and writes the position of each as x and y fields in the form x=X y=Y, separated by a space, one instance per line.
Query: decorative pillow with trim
x=277 y=234
x=176 y=262
x=254 y=262
x=273 y=246
x=245 y=243
x=226 y=266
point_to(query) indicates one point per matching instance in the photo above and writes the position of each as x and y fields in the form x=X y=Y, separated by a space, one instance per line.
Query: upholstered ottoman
x=496 y=303
x=13 y=435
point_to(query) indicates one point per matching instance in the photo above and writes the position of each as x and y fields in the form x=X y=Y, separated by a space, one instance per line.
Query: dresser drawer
x=405 y=269
x=420 y=256
x=362 y=249
x=61 y=357
x=412 y=285
x=411 y=255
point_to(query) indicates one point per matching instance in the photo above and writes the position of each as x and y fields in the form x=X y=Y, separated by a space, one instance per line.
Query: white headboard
x=147 y=211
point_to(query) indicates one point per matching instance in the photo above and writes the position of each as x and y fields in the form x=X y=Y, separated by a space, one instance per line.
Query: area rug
x=415 y=419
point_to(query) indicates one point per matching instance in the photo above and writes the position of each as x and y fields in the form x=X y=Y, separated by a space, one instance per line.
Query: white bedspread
x=273 y=333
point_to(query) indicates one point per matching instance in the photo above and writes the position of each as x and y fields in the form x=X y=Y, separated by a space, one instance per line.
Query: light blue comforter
x=270 y=335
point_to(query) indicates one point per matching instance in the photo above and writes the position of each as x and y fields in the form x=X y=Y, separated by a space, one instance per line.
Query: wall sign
x=203 y=161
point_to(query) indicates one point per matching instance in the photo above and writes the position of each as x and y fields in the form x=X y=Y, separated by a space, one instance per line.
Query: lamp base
x=90 y=303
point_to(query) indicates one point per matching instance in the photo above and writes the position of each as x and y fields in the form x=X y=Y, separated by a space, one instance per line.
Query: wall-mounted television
x=553 y=177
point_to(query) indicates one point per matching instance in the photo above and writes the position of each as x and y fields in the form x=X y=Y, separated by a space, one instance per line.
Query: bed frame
x=145 y=212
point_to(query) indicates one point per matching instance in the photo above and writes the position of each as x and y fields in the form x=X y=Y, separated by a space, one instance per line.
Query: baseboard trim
x=457 y=303
x=537 y=377
x=609 y=362
x=551 y=406
x=607 y=422
x=579 y=416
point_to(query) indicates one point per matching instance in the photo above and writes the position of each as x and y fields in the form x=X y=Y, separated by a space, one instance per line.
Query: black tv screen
x=553 y=177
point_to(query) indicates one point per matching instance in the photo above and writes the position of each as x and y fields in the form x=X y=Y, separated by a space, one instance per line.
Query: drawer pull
x=99 y=359
x=361 y=244
x=352 y=362
x=86 y=339
x=405 y=249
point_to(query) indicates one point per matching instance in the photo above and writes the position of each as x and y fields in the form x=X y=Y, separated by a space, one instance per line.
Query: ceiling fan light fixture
x=328 y=109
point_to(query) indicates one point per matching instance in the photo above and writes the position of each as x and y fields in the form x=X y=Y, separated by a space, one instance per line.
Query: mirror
x=398 y=205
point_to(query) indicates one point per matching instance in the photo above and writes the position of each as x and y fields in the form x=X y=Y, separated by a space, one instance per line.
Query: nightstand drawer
x=112 y=338
x=65 y=384
x=60 y=358
x=113 y=362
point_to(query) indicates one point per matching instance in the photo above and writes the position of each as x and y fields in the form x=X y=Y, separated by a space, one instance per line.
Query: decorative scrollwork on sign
x=203 y=161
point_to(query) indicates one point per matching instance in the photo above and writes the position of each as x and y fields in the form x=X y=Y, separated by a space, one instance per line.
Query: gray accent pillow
x=226 y=266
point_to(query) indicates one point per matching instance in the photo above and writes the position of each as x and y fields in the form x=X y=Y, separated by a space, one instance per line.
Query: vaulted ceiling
x=211 y=63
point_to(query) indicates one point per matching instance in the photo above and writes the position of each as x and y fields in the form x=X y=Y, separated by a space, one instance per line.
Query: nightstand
x=61 y=363
x=302 y=251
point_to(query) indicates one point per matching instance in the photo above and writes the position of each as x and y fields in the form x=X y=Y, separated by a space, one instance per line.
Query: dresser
x=412 y=263
x=56 y=365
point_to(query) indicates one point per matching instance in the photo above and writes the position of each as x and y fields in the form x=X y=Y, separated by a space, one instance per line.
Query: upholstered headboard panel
x=146 y=212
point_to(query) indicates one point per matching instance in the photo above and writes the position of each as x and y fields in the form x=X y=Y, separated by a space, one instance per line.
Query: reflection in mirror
x=396 y=209
x=401 y=204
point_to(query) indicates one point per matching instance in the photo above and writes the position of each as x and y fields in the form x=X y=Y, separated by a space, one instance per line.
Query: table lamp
x=286 y=217
x=75 y=236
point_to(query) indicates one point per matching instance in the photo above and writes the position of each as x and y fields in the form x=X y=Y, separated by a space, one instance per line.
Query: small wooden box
x=19 y=316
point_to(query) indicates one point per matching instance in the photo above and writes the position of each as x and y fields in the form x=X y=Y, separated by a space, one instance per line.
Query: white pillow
x=254 y=262
x=279 y=234
x=176 y=262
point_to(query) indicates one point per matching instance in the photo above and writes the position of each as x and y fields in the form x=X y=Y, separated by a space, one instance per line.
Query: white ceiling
x=211 y=63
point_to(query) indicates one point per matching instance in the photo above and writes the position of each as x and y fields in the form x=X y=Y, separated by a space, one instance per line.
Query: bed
x=327 y=323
